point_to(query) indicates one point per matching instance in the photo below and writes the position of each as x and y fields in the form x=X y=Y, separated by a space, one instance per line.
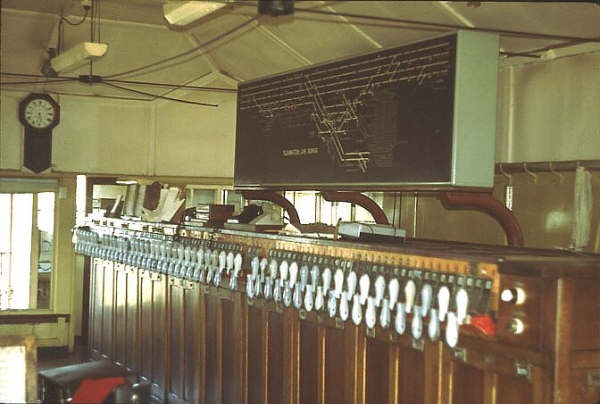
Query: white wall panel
x=196 y=141
x=11 y=132
x=102 y=137
x=92 y=137
x=556 y=111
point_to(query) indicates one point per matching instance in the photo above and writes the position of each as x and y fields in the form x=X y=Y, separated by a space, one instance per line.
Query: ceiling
x=137 y=36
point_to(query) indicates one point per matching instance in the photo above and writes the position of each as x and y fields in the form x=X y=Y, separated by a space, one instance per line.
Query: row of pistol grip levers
x=196 y=260
x=360 y=291
x=391 y=297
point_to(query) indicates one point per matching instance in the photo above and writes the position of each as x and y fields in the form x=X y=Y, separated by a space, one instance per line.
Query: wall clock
x=39 y=114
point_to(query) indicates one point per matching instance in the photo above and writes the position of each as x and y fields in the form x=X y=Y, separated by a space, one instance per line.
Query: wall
x=549 y=110
x=93 y=136
x=131 y=137
x=195 y=141
x=543 y=209
x=546 y=112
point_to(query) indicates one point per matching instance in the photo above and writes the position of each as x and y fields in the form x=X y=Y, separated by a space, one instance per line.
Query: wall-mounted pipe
x=358 y=199
x=486 y=203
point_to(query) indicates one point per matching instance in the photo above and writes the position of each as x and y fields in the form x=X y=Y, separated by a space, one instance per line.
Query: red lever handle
x=484 y=324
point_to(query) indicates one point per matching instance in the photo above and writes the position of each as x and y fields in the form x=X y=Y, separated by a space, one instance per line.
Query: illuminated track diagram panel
x=381 y=119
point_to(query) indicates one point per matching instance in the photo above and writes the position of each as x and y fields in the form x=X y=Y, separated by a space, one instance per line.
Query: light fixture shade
x=77 y=56
x=182 y=13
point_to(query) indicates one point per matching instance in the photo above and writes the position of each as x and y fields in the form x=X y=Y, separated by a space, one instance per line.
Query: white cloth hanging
x=582 y=209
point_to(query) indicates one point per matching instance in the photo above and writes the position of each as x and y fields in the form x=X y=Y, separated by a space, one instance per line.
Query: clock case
x=38 y=141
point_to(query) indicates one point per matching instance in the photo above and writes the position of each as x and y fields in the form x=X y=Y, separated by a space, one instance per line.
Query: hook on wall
x=505 y=174
x=561 y=178
x=528 y=171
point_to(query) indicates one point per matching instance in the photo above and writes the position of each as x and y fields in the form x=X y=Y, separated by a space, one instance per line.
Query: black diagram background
x=408 y=127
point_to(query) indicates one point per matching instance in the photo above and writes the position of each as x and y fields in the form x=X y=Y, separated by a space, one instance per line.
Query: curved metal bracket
x=277 y=199
x=486 y=203
x=358 y=199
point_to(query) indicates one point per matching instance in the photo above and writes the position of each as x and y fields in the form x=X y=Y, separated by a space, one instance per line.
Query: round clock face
x=39 y=113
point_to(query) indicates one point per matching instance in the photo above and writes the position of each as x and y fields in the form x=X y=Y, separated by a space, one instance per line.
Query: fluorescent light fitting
x=182 y=13
x=77 y=56
x=125 y=181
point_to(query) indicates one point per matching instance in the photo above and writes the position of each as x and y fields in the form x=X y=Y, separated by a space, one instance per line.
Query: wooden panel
x=107 y=311
x=213 y=350
x=433 y=368
x=585 y=386
x=467 y=384
x=565 y=294
x=193 y=344
x=309 y=363
x=177 y=347
x=275 y=368
x=120 y=297
x=513 y=390
x=377 y=371
x=231 y=387
x=132 y=307
x=412 y=376
x=256 y=355
x=96 y=298
x=586 y=319
x=146 y=325
x=291 y=355
x=336 y=366
x=160 y=326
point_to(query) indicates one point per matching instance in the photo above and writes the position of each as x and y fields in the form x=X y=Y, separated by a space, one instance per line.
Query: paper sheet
x=12 y=374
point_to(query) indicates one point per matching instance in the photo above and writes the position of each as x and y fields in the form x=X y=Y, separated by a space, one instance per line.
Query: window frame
x=15 y=185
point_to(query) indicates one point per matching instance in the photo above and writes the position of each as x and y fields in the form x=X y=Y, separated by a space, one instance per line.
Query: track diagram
x=338 y=98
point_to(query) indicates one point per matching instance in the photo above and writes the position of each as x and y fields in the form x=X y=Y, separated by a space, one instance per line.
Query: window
x=26 y=248
x=80 y=200
x=230 y=197
x=313 y=208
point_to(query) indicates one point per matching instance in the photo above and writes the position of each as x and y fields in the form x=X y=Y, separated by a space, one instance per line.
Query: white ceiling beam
x=447 y=7
x=227 y=79
x=203 y=53
x=267 y=33
x=359 y=31
x=233 y=77
x=216 y=72
x=201 y=81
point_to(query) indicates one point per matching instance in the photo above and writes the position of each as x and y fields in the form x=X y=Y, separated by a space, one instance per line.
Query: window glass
x=362 y=215
x=199 y=198
x=26 y=249
x=233 y=198
x=80 y=200
x=22 y=219
x=5 y=243
x=306 y=203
